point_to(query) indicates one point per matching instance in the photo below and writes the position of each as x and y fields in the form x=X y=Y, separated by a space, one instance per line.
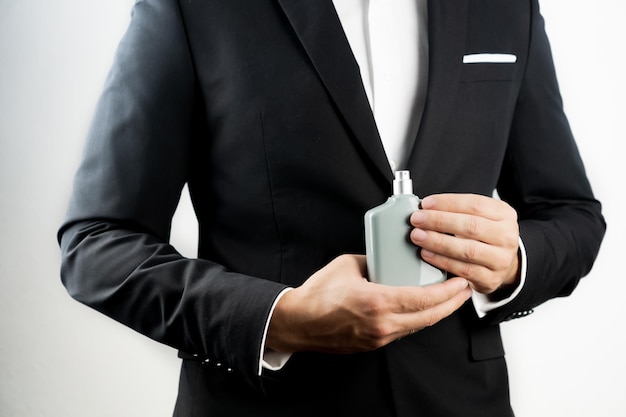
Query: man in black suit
x=261 y=107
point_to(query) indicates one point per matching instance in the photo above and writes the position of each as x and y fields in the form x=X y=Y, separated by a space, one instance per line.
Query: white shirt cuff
x=269 y=359
x=482 y=303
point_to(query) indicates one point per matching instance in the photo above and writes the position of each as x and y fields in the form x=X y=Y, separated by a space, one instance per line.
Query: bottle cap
x=402 y=184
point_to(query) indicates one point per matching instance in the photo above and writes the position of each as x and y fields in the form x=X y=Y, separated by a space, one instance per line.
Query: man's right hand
x=338 y=311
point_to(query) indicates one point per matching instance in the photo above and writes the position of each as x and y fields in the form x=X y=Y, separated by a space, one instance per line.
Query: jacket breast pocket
x=488 y=71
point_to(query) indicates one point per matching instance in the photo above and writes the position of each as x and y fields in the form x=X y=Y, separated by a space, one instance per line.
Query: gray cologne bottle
x=392 y=259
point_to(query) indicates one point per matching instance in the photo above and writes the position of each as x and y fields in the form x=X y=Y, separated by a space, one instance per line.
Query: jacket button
x=519 y=314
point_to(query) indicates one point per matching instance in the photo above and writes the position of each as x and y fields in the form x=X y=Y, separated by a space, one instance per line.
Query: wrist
x=280 y=330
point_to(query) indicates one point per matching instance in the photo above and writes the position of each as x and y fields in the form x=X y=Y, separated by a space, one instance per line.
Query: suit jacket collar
x=318 y=28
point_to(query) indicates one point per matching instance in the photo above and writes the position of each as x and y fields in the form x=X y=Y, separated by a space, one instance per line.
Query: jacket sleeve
x=543 y=177
x=115 y=252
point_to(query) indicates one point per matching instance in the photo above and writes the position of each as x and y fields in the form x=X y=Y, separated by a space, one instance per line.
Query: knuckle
x=424 y=302
x=508 y=213
x=474 y=226
x=379 y=332
x=513 y=241
x=491 y=284
x=438 y=243
x=476 y=203
x=343 y=259
x=511 y=213
x=468 y=269
x=472 y=251
x=491 y=289
x=439 y=222
x=375 y=306
x=431 y=319
x=508 y=261
x=376 y=335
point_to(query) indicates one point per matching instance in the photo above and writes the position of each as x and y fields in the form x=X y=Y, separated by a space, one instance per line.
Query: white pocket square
x=489 y=59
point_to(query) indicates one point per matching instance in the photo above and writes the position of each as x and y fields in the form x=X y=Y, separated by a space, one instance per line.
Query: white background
x=60 y=359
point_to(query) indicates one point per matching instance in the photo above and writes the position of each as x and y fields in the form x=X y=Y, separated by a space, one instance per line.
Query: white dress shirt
x=389 y=40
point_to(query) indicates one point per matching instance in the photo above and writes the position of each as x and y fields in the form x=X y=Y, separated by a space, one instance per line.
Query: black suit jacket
x=258 y=105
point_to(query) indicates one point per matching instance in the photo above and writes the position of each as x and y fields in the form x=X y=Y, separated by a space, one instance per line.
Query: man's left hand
x=470 y=236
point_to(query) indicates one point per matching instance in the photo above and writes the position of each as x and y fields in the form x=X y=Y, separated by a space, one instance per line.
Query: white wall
x=60 y=359
x=568 y=359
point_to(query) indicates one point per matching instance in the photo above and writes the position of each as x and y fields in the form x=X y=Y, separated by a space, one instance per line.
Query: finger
x=473 y=272
x=474 y=204
x=486 y=278
x=413 y=299
x=408 y=323
x=468 y=251
x=464 y=225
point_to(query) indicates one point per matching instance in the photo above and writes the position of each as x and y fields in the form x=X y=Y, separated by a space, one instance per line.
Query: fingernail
x=418 y=217
x=428 y=202
x=465 y=285
x=427 y=254
x=418 y=235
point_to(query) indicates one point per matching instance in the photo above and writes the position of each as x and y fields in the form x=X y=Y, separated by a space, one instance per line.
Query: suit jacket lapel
x=447 y=24
x=319 y=30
